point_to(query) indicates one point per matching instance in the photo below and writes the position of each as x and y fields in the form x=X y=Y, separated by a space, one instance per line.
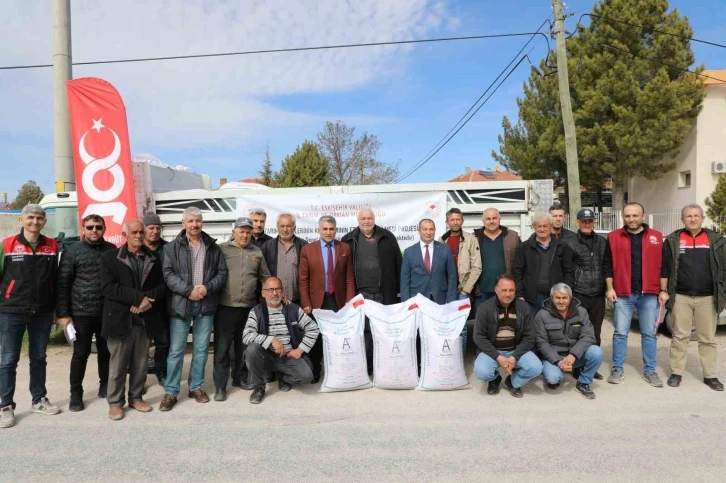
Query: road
x=631 y=432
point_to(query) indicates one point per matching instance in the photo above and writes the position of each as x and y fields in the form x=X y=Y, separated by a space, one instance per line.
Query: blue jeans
x=12 y=329
x=590 y=363
x=465 y=330
x=647 y=305
x=178 y=333
x=527 y=368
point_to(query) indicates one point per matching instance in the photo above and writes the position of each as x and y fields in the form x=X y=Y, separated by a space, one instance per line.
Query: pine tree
x=266 y=174
x=305 y=167
x=716 y=204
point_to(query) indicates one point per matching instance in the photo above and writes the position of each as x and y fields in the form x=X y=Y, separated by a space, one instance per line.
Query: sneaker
x=493 y=387
x=45 y=407
x=7 y=417
x=514 y=391
x=282 y=384
x=616 y=376
x=167 y=402
x=102 y=390
x=220 y=395
x=713 y=383
x=652 y=379
x=553 y=386
x=674 y=380
x=257 y=395
x=585 y=390
x=76 y=403
x=116 y=413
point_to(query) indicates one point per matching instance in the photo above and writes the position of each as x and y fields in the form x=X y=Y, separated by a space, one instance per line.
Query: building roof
x=485 y=175
x=712 y=76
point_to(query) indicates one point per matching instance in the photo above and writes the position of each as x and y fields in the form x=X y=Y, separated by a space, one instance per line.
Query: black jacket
x=269 y=252
x=260 y=242
x=177 y=268
x=486 y=325
x=588 y=275
x=389 y=258
x=159 y=252
x=557 y=337
x=79 y=280
x=122 y=290
x=526 y=267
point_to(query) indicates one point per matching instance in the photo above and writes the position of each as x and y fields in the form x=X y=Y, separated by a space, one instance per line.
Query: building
x=699 y=162
x=485 y=175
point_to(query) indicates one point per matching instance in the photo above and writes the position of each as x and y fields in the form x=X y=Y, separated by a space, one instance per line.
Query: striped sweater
x=278 y=328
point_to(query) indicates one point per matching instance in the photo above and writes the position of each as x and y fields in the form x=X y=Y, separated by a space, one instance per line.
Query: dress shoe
x=141 y=406
x=257 y=395
x=76 y=403
x=713 y=383
x=116 y=413
x=199 y=396
x=493 y=386
x=514 y=391
x=599 y=376
x=282 y=384
x=220 y=395
x=674 y=380
x=167 y=402
x=102 y=389
x=553 y=386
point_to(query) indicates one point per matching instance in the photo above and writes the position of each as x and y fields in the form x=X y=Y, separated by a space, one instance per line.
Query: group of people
x=538 y=304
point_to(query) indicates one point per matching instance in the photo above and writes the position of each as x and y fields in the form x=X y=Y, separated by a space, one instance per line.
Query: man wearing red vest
x=632 y=269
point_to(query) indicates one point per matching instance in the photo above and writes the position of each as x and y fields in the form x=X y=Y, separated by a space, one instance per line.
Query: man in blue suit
x=428 y=268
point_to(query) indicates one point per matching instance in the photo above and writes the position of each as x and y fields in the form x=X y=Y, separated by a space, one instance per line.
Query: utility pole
x=64 y=173
x=573 y=168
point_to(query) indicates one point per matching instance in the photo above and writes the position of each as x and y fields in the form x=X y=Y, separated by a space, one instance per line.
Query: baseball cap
x=585 y=214
x=243 y=221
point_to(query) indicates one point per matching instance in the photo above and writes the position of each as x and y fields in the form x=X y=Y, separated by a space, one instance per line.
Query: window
x=684 y=179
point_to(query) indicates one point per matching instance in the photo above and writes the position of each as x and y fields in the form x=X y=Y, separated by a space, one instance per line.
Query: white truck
x=515 y=200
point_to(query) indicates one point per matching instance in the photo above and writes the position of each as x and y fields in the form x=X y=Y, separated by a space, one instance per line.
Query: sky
x=217 y=115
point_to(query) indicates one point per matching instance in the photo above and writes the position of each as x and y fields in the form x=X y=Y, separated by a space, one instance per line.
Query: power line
x=643 y=27
x=427 y=159
x=411 y=170
x=657 y=61
x=275 y=51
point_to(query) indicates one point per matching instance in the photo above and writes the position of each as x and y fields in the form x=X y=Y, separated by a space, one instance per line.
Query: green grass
x=56 y=338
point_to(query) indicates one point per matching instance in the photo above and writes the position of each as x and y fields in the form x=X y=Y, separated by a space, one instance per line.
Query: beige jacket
x=469 y=264
x=246 y=267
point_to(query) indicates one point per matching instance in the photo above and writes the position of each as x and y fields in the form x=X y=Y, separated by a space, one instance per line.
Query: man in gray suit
x=428 y=268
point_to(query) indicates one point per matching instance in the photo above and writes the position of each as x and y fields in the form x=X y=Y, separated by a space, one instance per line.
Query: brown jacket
x=312 y=275
x=510 y=244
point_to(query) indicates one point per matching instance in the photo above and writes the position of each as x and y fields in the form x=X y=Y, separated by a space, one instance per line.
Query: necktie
x=331 y=270
x=427 y=260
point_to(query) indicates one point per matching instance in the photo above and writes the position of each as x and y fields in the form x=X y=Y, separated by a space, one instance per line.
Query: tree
x=29 y=193
x=716 y=204
x=266 y=174
x=305 y=167
x=353 y=161
x=631 y=113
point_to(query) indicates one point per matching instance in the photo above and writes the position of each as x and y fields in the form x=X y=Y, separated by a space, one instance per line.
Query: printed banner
x=101 y=154
x=397 y=212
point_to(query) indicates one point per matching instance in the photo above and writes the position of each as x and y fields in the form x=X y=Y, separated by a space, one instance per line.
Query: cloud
x=224 y=100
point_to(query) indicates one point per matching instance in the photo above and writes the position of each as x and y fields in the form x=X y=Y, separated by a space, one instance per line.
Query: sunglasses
x=94 y=227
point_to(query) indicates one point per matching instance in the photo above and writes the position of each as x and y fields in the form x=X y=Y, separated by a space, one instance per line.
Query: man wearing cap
x=154 y=242
x=558 y=213
x=28 y=272
x=246 y=268
x=588 y=252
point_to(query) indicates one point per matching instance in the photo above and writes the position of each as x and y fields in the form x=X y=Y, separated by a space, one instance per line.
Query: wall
x=711 y=140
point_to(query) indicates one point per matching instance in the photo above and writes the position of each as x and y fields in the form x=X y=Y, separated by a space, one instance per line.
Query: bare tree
x=353 y=161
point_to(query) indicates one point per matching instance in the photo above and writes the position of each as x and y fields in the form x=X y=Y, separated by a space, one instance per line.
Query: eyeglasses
x=94 y=227
x=273 y=289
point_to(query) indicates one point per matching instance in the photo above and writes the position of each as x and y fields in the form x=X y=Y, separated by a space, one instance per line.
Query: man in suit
x=428 y=268
x=326 y=278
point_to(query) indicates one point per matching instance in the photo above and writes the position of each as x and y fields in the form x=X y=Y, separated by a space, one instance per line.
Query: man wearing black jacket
x=80 y=303
x=541 y=262
x=259 y=218
x=377 y=267
x=134 y=288
x=282 y=255
x=154 y=242
x=504 y=334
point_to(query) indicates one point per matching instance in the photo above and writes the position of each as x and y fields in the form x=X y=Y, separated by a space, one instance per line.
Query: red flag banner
x=101 y=154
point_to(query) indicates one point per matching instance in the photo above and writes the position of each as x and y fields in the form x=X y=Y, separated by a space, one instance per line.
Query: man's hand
x=307 y=310
x=145 y=304
x=663 y=297
x=135 y=310
x=201 y=290
x=511 y=362
x=286 y=301
x=195 y=296
x=64 y=321
x=612 y=296
x=566 y=363
x=277 y=347
x=502 y=361
x=295 y=353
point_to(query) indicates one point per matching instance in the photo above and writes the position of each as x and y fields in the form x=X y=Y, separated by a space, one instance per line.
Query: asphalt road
x=631 y=432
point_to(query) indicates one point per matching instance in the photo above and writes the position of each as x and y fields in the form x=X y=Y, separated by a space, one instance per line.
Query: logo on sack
x=346 y=343
x=395 y=349
x=432 y=209
x=446 y=349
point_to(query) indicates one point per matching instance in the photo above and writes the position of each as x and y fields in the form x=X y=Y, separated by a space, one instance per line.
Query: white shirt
x=431 y=251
